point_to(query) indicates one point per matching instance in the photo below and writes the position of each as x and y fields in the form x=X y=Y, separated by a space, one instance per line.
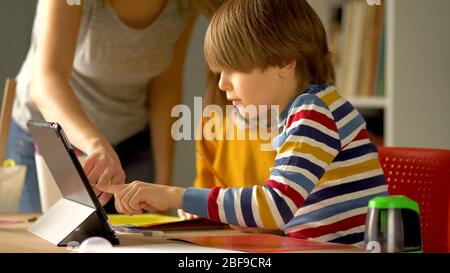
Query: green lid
x=394 y=202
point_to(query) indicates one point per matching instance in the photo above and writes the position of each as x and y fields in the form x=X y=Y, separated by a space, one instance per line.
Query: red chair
x=424 y=176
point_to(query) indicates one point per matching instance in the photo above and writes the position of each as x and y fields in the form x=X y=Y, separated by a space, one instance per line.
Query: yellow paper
x=141 y=220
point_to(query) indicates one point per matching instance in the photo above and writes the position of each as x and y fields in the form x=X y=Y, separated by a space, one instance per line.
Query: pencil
x=211 y=169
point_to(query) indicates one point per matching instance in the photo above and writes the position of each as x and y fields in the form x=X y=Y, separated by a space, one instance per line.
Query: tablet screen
x=62 y=162
x=73 y=184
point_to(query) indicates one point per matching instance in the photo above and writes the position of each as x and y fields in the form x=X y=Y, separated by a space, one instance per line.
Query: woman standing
x=109 y=72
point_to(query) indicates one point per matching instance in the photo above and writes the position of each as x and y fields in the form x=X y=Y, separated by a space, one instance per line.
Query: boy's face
x=255 y=88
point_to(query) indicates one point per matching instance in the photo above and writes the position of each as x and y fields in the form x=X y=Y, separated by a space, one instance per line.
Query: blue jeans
x=135 y=154
x=21 y=150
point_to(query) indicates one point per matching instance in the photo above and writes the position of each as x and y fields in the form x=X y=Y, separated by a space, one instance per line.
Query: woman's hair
x=205 y=7
x=199 y=7
x=248 y=34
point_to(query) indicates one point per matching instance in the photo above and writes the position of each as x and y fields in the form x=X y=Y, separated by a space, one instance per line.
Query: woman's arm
x=55 y=98
x=165 y=91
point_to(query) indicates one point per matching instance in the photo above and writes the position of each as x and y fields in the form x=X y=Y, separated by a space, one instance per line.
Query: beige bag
x=11 y=184
x=12 y=176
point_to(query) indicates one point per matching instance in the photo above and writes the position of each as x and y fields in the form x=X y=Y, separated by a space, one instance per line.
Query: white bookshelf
x=368 y=102
x=416 y=102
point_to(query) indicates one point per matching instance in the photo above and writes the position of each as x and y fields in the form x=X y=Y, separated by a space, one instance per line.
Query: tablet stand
x=68 y=221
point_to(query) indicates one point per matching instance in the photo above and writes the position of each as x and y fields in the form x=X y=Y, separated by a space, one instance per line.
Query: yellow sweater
x=238 y=162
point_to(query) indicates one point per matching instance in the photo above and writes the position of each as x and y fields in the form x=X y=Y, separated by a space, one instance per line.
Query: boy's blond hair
x=248 y=34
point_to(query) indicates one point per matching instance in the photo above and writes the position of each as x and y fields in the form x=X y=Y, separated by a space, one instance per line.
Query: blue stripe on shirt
x=195 y=201
x=295 y=177
x=332 y=210
x=302 y=163
x=346 y=188
x=311 y=132
x=315 y=88
x=282 y=207
x=307 y=97
x=279 y=140
x=349 y=239
x=228 y=202
x=351 y=126
x=355 y=152
x=246 y=205
x=342 y=111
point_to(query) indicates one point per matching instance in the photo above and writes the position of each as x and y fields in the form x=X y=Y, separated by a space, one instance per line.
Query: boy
x=326 y=170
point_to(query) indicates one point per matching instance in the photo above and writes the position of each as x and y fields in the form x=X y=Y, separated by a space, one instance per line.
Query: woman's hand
x=134 y=197
x=186 y=215
x=103 y=168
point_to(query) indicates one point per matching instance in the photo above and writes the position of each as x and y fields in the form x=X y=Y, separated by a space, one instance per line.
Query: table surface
x=16 y=238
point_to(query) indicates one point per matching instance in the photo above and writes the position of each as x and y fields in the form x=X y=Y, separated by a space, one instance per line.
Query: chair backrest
x=424 y=176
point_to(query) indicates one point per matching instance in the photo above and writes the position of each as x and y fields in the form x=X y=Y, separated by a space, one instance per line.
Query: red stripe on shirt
x=342 y=225
x=213 y=208
x=315 y=116
x=361 y=135
x=295 y=196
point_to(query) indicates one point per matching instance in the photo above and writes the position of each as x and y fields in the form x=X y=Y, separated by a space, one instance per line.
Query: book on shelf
x=380 y=71
x=358 y=48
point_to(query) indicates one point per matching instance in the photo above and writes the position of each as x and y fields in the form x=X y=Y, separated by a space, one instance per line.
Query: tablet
x=78 y=214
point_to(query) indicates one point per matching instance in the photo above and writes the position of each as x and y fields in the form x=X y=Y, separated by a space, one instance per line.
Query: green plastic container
x=393 y=224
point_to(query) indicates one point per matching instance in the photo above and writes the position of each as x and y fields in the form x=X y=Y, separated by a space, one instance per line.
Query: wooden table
x=16 y=238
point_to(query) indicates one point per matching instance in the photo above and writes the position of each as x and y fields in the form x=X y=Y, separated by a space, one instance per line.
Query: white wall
x=194 y=85
x=16 y=19
x=418 y=73
x=324 y=9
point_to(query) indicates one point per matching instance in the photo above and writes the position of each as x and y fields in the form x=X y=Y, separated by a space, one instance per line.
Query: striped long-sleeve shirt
x=326 y=171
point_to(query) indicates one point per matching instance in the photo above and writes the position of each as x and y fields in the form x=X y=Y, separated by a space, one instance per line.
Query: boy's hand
x=132 y=198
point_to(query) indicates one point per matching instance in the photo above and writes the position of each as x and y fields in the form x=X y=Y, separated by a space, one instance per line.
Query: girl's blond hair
x=248 y=34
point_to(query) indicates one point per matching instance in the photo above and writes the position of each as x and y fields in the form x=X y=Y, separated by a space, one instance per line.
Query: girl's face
x=268 y=87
